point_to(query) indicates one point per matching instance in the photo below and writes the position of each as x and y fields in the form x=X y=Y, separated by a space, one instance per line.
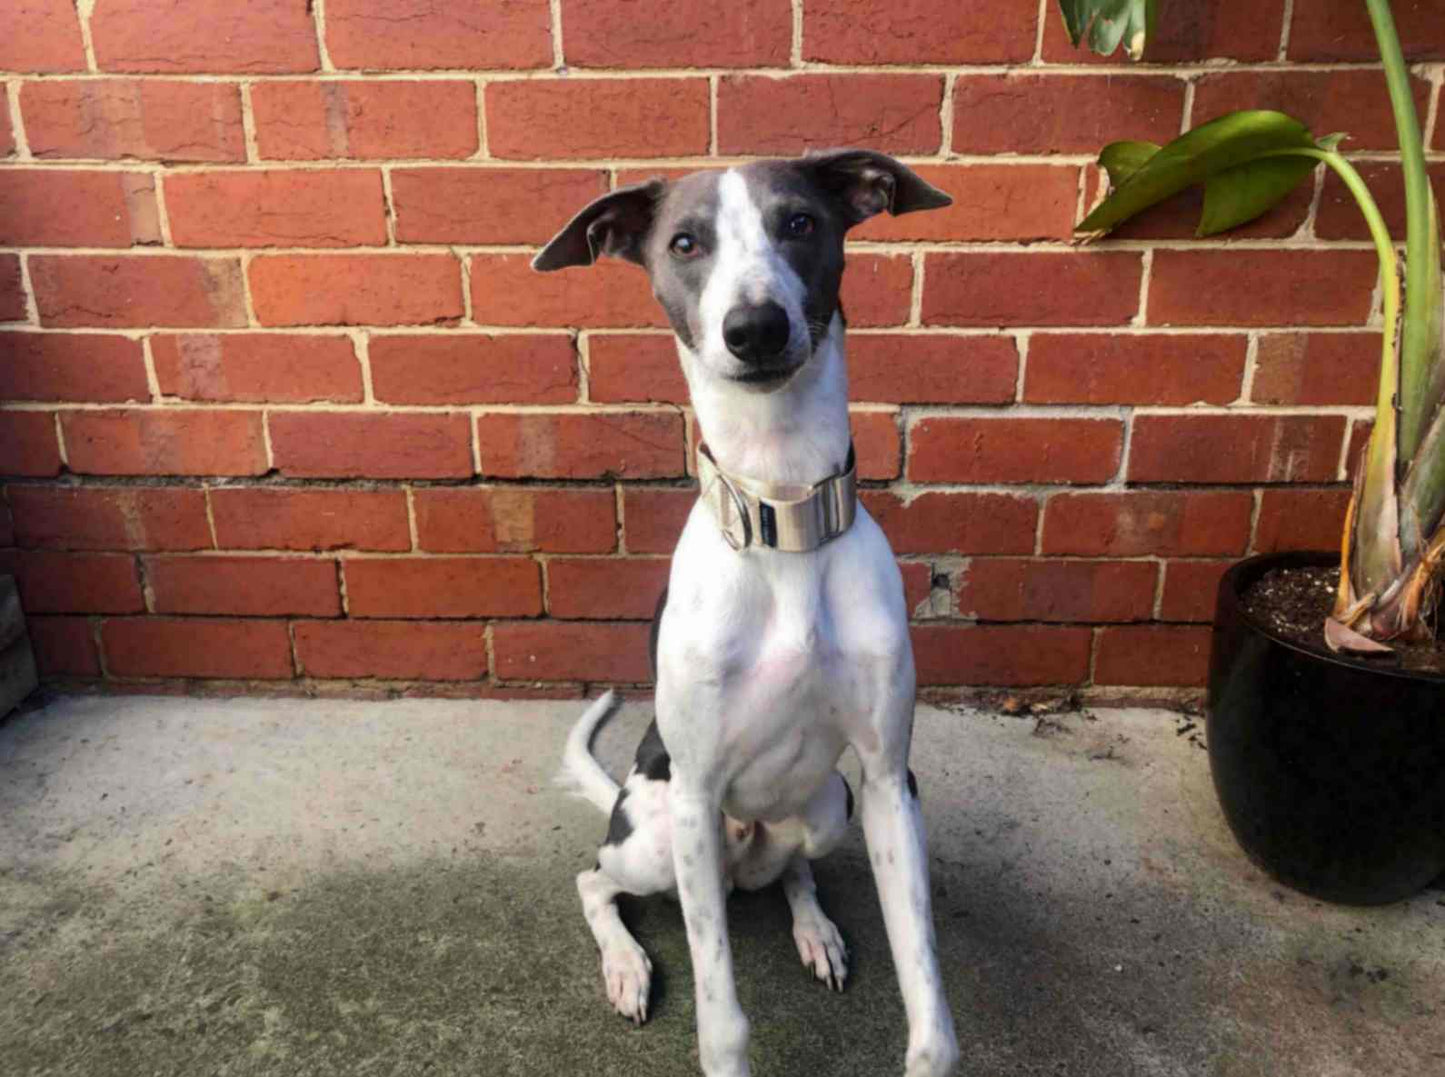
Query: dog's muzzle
x=788 y=517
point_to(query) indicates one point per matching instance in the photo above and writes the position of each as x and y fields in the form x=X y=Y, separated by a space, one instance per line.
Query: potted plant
x=1327 y=681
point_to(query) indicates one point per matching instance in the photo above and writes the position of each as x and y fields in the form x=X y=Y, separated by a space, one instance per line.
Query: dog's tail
x=581 y=774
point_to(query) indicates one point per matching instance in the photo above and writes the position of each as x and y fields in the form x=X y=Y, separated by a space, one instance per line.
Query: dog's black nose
x=756 y=334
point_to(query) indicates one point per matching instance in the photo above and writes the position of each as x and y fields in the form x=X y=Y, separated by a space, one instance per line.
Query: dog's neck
x=798 y=434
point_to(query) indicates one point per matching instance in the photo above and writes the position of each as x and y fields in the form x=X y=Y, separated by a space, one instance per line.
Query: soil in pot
x=1294 y=602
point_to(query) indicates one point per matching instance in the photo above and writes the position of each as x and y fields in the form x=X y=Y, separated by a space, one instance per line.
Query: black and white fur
x=768 y=664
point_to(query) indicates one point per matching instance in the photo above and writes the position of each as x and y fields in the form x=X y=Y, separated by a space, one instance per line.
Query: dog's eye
x=684 y=245
x=798 y=226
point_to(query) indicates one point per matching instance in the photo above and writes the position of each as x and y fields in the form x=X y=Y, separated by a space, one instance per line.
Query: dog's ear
x=615 y=225
x=867 y=183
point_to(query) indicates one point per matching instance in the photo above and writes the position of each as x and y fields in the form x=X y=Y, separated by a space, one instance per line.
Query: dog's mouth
x=766 y=377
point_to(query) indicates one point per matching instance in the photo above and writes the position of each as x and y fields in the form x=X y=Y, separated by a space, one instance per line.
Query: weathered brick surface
x=274 y=359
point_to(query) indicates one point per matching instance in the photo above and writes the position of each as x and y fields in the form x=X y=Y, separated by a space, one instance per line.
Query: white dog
x=782 y=638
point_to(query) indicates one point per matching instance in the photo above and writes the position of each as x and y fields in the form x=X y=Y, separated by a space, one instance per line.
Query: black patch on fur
x=619 y=826
x=652 y=761
x=687 y=205
x=848 y=792
x=913 y=785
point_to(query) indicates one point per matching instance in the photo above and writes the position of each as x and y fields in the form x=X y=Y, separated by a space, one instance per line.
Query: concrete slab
x=297 y=887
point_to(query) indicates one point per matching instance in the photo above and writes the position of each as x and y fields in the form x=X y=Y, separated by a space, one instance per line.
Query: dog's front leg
x=697 y=850
x=893 y=827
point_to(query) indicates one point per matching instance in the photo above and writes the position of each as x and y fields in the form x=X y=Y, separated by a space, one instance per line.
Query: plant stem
x=1414 y=376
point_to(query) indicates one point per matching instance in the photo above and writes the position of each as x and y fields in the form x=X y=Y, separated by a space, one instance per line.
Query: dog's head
x=746 y=262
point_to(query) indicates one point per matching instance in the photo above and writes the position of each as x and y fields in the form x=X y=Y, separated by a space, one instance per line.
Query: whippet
x=782 y=637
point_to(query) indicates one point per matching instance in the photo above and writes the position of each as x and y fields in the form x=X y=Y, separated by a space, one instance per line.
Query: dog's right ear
x=615 y=225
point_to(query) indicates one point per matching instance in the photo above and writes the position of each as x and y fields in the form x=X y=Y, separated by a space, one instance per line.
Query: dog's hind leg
x=626 y=969
x=819 y=943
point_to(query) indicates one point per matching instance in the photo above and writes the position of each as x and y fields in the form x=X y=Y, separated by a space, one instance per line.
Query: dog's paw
x=822 y=950
x=627 y=974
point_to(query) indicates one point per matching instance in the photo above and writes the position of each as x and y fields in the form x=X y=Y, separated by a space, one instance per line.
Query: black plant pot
x=1330 y=771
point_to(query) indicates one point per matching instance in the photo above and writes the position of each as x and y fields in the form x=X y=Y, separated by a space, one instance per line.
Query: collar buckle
x=788 y=517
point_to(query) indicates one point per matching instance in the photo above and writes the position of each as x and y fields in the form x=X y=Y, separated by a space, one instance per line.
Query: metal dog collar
x=789 y=517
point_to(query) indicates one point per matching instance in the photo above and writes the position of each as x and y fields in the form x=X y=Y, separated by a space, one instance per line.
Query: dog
x=782 y=637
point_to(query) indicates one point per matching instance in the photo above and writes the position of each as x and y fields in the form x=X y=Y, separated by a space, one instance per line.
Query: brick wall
x=283 y=402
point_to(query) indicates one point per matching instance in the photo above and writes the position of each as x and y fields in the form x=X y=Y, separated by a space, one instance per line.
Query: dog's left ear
x=615 y=225
x=867 y=183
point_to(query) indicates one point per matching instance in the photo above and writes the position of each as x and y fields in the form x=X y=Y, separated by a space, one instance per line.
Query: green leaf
x=1105 y=23
x=1215 y=147
x=1423 y=346
x=1245 y=192
x=1122 y=159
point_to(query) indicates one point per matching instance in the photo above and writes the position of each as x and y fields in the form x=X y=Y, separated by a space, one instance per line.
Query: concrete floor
x=295 y=887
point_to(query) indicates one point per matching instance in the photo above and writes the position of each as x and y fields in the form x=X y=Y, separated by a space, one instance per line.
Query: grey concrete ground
x=286 y=887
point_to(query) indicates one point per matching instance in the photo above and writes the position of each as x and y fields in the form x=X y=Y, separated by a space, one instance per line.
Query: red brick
x=893 y=113
x=257 y=367
x=64 y=366
x=12 y=290
x=664 y=33
x=1339 y=215
x=877 y=290
x=356 y=289
x=1190 y=588
x=110 y=517
x=28 y=445
x=1261 y=287
x=396 y=650
x=1220 y=30
x=627 y=367
x=53 y=208
x=1178 y=217
x=164 y=441
x=1291 y=520
x=914 y=368
x=1236 y=448
x=259 y=518
x=197 y=647
x=605 y=588
x=1195 y=523
x=7 y=133
x=964 y=523
x=515 y=519
x=244 y=586
x=1325 y=30
x=110 y=119
x=538 y=119
x=1000 y=655
x=1317 y=368
x=1153 y=655
x=567 y=445
x=1009 y=589
x=134 y=291
x=990 y=202
x=52 y=582
x=308 y=121
x=1354 y=101
x=438 y=34
x=1106 y=368
x=258 y=37
x=877 y=443
x=64 y=646
x=1014 y=450
x=917 y=587
x=337 y=445
x=1046 y=114
x=434 y=587
x=918 y=32
x=284 y=208
x=40 y=35
x=489 y=205
x=1008 y=289
x=560 y=651
x=474 y=368
x=653 y=517
x=610 y=294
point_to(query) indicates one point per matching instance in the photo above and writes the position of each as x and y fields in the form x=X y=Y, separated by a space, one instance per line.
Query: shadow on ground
x=262 y=888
